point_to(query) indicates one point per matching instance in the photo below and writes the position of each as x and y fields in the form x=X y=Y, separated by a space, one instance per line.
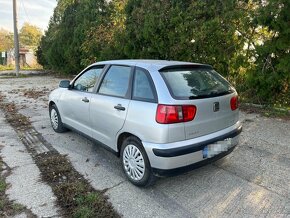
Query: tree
x=50 y=53
x=270 y=80
x=6 y=40
x=246 y=41
x=100 y=42
x=63 y=47
x=30 y=35
x=198 y=31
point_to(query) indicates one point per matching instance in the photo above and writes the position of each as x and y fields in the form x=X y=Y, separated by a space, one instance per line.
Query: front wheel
x=55 y=120
x=135 y=162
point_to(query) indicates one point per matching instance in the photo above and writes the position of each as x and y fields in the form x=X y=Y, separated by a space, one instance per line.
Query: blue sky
x=36 y=12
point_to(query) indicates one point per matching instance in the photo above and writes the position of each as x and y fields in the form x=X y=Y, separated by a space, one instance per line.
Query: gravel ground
x=254 y=180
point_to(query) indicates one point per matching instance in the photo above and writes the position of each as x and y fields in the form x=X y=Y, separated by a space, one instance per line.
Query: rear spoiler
x=186 y=66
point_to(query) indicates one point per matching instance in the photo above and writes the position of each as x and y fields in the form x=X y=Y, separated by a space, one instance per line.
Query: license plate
x=216 y=148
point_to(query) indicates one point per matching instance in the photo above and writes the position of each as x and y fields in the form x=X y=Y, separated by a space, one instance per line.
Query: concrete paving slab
x=25 y=187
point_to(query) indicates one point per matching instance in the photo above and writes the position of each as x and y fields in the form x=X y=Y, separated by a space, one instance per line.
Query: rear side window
x=116 y=81
x=196 y=83
x=142 y=86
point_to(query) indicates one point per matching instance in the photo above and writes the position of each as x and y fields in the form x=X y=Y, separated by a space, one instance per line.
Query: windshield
x=196 y=83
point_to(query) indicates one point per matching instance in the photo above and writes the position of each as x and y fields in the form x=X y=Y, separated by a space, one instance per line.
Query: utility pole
x=16 y=40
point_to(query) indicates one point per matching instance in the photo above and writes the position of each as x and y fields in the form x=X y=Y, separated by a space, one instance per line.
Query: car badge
x=216 y=106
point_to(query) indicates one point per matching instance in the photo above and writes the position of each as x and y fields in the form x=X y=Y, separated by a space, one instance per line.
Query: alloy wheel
x=54 y=118
x=133 y=162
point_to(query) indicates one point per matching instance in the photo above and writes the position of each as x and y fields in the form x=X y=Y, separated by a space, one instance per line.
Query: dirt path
x=253 y=181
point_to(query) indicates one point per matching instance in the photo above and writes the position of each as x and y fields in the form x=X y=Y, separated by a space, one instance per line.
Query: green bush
x=245 y=41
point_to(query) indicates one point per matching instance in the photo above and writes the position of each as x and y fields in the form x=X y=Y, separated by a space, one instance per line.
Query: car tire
x=135 y=163
x=55 y=120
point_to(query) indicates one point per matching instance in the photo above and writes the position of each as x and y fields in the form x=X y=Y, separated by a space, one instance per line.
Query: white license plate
x=216 y=148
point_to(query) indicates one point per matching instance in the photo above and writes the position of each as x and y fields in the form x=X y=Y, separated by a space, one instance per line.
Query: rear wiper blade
x=198 y=96
x=193 y=97
x=209 y=95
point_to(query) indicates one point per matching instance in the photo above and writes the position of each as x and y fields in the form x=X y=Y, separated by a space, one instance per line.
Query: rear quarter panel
x=141 y=122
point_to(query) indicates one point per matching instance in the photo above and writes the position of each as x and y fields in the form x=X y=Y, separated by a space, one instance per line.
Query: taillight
x=167 y=114
x=234 y=103
x=189 y=112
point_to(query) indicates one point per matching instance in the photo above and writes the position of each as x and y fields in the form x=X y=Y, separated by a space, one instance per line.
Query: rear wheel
x=135 y=162
x=55 y=120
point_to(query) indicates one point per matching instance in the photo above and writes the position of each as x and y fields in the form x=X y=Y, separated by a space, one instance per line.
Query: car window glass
x=142 y=89
x=87 y=81
x=116 y=81
x=196 y=83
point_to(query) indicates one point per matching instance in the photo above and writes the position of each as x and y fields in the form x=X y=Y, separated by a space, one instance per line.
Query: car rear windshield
x=195 y=83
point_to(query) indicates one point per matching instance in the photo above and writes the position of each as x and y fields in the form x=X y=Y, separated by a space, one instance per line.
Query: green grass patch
x=83 y=212
x=3 y=68
x=2 y=204
x=267 y=111
x=3 y=185
x=10 y=67
x=17 y=207
x=85 y=205
x=88 y=199
x=32 y=68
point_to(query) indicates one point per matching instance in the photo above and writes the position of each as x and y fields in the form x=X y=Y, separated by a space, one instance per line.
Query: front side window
x=142 y=87
x=116 y=81
x=87 y=80
x=200 y=82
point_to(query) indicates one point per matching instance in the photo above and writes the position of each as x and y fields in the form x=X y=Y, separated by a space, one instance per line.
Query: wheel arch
x=51 y=103
x=148 y=177
x=123 y=136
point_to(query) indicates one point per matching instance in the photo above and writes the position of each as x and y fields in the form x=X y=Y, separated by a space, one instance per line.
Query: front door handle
x=119 y=107
x=86 y=100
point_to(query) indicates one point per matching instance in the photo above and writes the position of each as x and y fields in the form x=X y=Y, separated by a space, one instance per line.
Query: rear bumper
x=180 y=170
x=173 y=152
x=178 y=157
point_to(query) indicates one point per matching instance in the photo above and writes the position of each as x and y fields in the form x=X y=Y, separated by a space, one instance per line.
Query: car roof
x=149 y=64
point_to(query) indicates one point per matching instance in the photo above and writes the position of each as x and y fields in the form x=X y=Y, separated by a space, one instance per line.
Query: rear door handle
x=119 y=107
x=86 y=100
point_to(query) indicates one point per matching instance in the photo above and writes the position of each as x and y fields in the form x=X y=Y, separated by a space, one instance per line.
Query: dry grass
x=35 y=94
x=74 y=194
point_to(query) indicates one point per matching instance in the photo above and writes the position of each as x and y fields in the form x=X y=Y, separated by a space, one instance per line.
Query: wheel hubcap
x=54 y=118
x=133 y=162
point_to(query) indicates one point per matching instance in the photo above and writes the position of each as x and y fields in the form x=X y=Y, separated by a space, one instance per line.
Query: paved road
x=252 y=181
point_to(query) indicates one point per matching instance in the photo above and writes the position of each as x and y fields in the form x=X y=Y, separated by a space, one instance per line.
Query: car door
x=75 y=102
x=110 y=105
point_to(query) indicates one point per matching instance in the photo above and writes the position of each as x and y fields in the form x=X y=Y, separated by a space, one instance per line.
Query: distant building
x=27 y=57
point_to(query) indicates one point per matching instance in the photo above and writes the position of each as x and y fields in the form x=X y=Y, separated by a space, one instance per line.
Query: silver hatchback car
x=161 y=117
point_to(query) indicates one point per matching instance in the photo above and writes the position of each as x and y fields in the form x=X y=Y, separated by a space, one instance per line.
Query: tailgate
x=202 y=86
x=213 y=114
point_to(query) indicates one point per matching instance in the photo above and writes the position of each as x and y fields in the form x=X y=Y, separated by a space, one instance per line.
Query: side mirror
x=64 y=84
